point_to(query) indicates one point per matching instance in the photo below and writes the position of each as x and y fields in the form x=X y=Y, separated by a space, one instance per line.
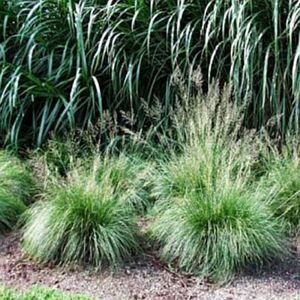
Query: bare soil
x=146 y=278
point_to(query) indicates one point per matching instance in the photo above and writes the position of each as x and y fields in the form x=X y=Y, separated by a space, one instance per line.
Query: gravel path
x=145 y=279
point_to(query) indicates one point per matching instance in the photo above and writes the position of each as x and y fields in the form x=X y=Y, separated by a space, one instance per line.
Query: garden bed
x=146 y=278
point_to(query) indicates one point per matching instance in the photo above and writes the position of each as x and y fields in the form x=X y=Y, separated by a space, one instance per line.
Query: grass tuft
x=11 y=208
x=16 y=178
x=210 y=220
x=80 y=223
x=219 y=234
x=283 y=179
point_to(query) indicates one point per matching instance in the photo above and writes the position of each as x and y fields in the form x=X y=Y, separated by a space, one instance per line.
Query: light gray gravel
x=145 y=279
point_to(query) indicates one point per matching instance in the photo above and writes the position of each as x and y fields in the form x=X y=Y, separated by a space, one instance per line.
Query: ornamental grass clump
x=11 y=208
x=283 y=179
x=79 y=222
x=218 y=234
x=17 y=189
x=286 y=202
x=210 y=219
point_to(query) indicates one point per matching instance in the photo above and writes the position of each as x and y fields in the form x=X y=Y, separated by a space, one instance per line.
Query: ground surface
x=145 y=279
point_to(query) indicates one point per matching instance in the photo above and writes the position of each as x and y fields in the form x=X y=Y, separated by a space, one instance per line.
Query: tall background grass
x=62 y=63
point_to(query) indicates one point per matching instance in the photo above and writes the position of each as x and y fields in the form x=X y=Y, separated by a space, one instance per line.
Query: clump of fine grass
x=210 y=221
x=219 y=234
x=11 y=208
x=127 y=172
x=16 y=178
x=17 y=188
x=80 y=223
x=283 y=178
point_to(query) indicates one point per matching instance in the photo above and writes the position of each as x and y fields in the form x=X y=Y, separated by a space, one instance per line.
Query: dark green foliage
x=286 y=201
x=64 y=62
x=210 y=219
x=283 y=180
